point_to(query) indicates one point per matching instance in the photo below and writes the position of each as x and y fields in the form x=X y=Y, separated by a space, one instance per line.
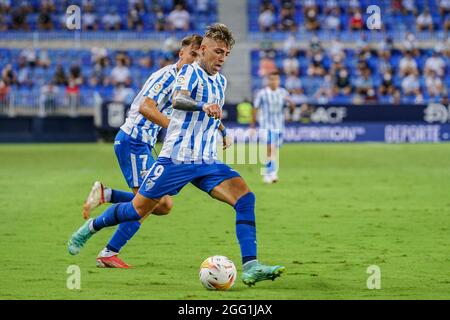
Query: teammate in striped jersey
x=269 y=106
x=189 y=155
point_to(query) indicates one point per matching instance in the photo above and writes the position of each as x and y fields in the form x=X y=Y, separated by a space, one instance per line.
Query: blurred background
x=350 y=81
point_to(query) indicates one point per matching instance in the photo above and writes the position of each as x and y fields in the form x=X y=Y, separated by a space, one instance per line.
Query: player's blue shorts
x=168 y=178
x=134 y=157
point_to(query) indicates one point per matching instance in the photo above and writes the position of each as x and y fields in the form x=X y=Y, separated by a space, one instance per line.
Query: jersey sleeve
x=187 y=79
x=161 y=88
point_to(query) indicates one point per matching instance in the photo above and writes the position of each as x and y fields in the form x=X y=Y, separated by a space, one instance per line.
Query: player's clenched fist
x=213 y=110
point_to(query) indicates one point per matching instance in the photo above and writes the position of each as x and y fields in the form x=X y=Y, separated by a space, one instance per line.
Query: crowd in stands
x=334 y=15
x=116 y=75
x=108 y=15
x=367 y=74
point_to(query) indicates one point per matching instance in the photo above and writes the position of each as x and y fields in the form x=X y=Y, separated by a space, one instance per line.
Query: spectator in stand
x=59 y=78
x=202 y=7
x=435 y=64
x=444 y=7
x=138 y=5
x=353 y=6
x=356 y=21
x=316 y=67
x=135 y=21
x=120 y=74
x=75 y=75
x=112 y=21
x=364 y=83
x=387 y=85
x=292 y=82
x=179 y=19
x=290 y=44
x=424 y=21
x=43 y=59
x=19 y=17
x=4 y=91
x=287 y=21
x=331 y=6
x=311 y=20
x=309 y=5
x=266 y=19
x=333 y=21
x=89 y=19
x=291 y=64
x=410 y=44
x=336 y=50
x=5 y=6
x=384 y=63
x=48 y=97
x=24 y=77
x=266 y=63
x=342 y=84
x=325 y=93
x=45 y=19
x=409 y=7
x=3 y=22
x=8 y=75
x=160 y=23
x=434 y=85
x=408 y=65
x=410 y=84
x=446 y=23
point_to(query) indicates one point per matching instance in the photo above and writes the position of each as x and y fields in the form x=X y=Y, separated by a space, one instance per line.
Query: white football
x=217 y=273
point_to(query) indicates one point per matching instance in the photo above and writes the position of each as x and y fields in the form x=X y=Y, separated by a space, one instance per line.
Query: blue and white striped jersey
x=191 y=136
x=159 y=88
x=270 y=104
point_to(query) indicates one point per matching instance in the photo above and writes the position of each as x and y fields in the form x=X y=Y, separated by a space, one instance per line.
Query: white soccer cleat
x=95 y=198
x=274 y=177
x=268 y=179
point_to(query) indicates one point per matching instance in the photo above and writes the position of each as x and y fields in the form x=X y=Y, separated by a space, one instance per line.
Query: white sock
x=107 y=193
x=106 y=253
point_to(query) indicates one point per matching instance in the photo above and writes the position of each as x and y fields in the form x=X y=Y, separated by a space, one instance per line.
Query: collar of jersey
x=211 y=77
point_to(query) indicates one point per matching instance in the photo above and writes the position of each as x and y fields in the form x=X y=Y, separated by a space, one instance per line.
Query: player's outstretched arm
x=149 y=110
x=183 y=101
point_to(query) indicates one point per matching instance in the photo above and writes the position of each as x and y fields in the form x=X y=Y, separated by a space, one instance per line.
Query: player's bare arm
x=149 y=110
x=183 y=101
x=227 y=140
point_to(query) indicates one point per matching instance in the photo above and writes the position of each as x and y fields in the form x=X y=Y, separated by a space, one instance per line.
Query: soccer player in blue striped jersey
x=189 y=154
x=269 y=109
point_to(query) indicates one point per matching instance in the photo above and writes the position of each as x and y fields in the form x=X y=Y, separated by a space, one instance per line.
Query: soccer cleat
x=260 y=272
x=111 y=262
x=274 y=177
x=268 y=179
x=95 y=198
x=79 y=238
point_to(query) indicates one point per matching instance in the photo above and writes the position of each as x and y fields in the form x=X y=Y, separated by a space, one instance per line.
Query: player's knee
x=164 y=207
x=247 y=201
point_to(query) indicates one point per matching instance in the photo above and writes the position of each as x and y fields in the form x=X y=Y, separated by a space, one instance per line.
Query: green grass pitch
x=337 y=210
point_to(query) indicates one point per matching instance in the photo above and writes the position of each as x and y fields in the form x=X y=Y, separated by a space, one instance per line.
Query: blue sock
x=124 y=232
x=245 y=226
x=116 y=214
x=121 y=196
